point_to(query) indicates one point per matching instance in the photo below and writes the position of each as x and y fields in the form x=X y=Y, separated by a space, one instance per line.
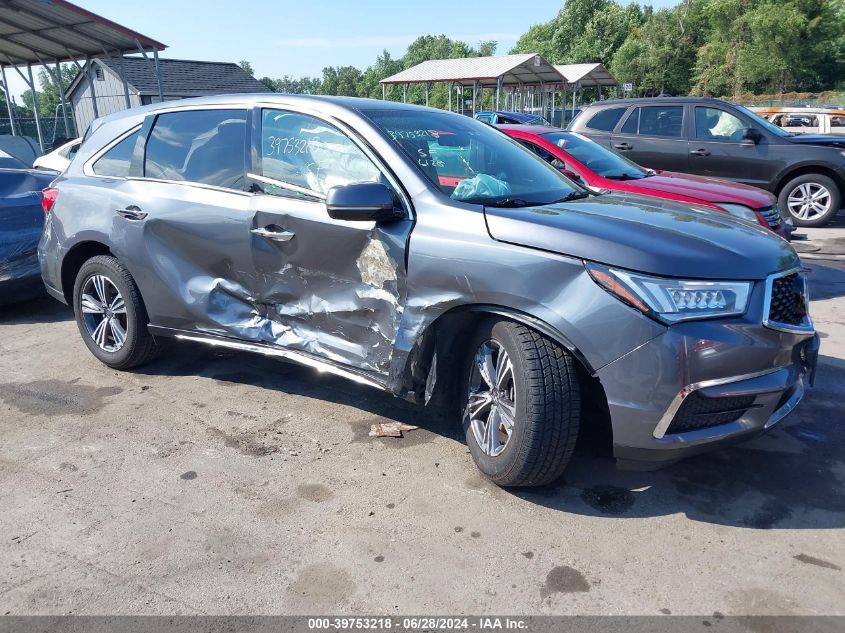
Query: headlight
x=740 y=211
x=673 y=300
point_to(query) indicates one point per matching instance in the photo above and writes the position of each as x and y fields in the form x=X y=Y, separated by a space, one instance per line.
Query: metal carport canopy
x=40 y=31
x=44 y=32
x=587 y=75
x=512 y=70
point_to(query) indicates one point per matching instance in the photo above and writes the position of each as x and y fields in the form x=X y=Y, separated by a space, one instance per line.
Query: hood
x=706 y=189
x=818 y=139
x=647 y=235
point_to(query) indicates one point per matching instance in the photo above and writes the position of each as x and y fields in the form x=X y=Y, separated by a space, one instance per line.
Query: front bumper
x=737 y=360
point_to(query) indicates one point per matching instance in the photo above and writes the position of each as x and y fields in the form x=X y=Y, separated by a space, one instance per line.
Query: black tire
x=814 y=181
x=547 y=403
x=139 y=346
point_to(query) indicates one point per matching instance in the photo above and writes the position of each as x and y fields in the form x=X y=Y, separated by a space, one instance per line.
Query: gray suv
x=427 y=254
x=711 y=137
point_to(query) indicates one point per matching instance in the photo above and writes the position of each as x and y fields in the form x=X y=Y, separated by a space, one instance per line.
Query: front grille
x=788 y=301
x=771 y=215
x=700 y=412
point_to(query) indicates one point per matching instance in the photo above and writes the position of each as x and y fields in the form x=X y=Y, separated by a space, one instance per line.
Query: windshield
x=595 y=157
x=536 y=120
x=771 y=127
x=472 y=162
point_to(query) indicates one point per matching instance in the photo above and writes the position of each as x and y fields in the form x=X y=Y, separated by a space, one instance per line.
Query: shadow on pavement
x=790 y=478
x=43 y=309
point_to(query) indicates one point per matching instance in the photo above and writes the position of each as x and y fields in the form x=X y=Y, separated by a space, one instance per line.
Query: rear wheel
x=811 y=199
x=521 y=404
x=110 y=314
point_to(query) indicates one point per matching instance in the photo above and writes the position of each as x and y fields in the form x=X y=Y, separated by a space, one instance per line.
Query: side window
x=837 y=121
x=713 y=124
x=606 y=120
x=632 y=122
x=661 y=121
x=310 y=155
x=204 y=146
x=117 y=160
x=485 y=118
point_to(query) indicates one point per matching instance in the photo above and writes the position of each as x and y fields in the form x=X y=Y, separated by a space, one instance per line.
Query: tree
x=718 y=47
x=341 y=81
x=659 y=54
x=49 y=96
x=247 y=67
x=538 y=39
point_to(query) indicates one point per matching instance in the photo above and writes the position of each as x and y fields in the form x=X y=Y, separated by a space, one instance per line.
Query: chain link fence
x=52 y=129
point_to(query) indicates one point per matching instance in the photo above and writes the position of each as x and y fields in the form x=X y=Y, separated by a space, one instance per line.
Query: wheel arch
x=443 y=339
x=802 y=170
x=74 y=259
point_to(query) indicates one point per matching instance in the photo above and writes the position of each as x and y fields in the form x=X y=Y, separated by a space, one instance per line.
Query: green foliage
x=48 y=97
x=350 y=81
x=706 y=47
x=293 y=85
x=247 y=67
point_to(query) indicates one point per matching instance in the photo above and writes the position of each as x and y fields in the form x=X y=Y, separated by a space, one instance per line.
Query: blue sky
x=300 y=38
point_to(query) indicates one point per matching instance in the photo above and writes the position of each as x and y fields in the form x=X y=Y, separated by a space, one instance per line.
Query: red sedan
x=591 y=164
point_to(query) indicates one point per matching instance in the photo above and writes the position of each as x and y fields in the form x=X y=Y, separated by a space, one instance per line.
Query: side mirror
x=361 y=201
x=752 y=135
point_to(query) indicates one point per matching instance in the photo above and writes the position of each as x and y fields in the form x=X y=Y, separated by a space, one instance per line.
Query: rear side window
x=204 y=146
x=655 y=121
x=117 y=160
x=606 y=120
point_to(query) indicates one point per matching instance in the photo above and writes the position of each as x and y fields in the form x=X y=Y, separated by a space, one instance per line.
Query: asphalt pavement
x=225 y=483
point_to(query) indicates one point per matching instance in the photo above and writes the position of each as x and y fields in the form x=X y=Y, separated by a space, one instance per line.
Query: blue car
x=21 y=222
x=499 y=117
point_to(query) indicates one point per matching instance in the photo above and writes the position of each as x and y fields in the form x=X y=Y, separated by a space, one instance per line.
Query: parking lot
x=219 y=482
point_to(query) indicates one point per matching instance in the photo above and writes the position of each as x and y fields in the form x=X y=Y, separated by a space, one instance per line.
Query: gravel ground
x=224 y=483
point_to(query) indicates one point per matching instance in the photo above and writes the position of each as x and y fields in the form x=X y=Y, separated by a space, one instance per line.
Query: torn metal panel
x=335 y=289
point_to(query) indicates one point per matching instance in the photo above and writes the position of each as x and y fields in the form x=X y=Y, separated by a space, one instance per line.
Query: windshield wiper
x=627 y=177
x=508 y=203
x=572 y=195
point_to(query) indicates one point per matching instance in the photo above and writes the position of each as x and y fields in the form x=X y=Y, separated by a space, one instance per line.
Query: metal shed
x=48 y=32
x=180 y=79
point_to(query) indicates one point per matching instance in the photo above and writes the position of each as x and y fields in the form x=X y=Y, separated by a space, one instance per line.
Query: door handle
x=276 y=236
x=699 y=152
x=131 y=212
x=623 y=146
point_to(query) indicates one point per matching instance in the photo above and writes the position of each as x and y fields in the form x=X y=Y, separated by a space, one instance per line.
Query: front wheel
x=811 y=199
x=521 y=404
x=110 y=314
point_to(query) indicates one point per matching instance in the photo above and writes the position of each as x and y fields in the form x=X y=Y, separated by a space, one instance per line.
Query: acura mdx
x=429 y=255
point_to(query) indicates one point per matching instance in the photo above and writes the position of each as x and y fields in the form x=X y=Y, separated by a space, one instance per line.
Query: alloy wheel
x=491 y=404
x=104 y=313
x=809 y=201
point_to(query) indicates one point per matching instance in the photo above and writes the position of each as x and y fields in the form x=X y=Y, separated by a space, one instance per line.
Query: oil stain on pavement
x=55 y=397
x=563 y=579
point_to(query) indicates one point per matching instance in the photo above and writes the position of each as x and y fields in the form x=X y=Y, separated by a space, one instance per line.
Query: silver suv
x=424 y=253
